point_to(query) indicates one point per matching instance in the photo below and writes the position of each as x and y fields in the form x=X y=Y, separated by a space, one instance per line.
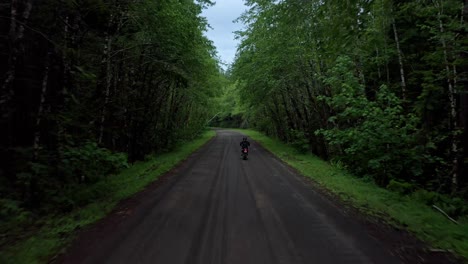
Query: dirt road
x=216 y=208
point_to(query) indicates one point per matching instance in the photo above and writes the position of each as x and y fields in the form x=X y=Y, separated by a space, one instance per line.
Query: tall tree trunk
x=40 y=111
x=385 y=38
x=280 y=131
x=12 y=36
x=68 y=39
x=291 y=124
x=16 y=34
x=400 y=60
x=33 y=180
x=295 y=106
x=109 y=72
x=463 y=102
x=453 y=103
x=108 y=83
x=378 y=65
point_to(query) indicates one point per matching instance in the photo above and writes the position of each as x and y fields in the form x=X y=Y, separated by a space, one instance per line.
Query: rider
x=244 y=144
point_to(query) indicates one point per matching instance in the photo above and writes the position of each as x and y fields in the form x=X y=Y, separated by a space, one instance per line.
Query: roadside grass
x=402 y=211
x=55 y=232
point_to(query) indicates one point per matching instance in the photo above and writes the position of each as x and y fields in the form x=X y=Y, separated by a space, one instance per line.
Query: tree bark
x=463 y=102
x=12 y=33
x=108 y=83
x=109 y=73
x=16 y=34
x=378 y=65
x=33 y=180
x=453 y=104
x=107 y=88
x=400 y=60
x=40 y=111
x=291 y=124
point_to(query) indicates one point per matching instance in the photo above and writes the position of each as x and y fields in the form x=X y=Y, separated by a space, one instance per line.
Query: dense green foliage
x=46 y=237
x=379 y=87
x=90 y=86
x=230 y=113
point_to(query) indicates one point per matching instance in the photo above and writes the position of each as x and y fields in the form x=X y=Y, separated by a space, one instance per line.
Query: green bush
x=12 y=215
x=400 y=187
x=82 y=173
x=89 y=163
x=77 y=195
x=56 y=182
x=374 y=137
x=299 y=141
x=426 y=197
x=454 y=206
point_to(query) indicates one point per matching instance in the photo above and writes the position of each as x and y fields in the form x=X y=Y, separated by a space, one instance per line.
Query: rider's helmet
x=244 y=139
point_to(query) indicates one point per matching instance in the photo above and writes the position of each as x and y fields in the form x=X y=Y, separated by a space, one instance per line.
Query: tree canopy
x=377 y=86
x=90 y=85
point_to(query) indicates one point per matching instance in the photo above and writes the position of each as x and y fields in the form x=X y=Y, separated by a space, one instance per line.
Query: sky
x=221 y=17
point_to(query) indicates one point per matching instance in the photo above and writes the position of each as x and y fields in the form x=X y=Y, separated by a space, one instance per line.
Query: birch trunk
x=453 y=103
x=400 y=60
x=16 y=33
x=66 y=65
x=109 y=75
x=37 y=135
x=107 y=51
x=11 y=71
x=378 y=65
x=40 y=111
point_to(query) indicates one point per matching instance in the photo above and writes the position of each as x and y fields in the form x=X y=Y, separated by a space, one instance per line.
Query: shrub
x=89 y=162
x=299 y=141
x=374 y=137
x=426 y=197
x=12 y=215
x=400 y=187
x=453 y=206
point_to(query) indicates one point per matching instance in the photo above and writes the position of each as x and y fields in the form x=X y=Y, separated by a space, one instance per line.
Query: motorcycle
x=245 y=152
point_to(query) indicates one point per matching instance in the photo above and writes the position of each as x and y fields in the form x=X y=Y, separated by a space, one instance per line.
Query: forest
x=376 y=87
x=91 y=86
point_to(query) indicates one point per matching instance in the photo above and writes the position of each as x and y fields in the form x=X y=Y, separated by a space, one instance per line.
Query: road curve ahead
x=216 y=209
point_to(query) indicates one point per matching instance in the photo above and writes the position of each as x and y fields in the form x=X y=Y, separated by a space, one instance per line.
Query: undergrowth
x=47 y=236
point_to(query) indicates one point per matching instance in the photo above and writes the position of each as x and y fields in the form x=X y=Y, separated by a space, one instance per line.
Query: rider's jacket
x=245 y=144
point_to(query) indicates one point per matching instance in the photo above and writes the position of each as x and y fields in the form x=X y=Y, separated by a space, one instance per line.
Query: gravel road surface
x=216 y=208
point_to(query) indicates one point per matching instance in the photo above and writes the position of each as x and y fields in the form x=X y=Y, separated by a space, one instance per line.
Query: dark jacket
x=244 y=144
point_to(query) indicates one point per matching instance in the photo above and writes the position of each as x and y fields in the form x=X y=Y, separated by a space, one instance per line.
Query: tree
x=89 y=85
x=291 y=50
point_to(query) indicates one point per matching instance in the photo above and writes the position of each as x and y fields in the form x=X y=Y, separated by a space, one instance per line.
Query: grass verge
x=57 y=231
x=402 y=211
